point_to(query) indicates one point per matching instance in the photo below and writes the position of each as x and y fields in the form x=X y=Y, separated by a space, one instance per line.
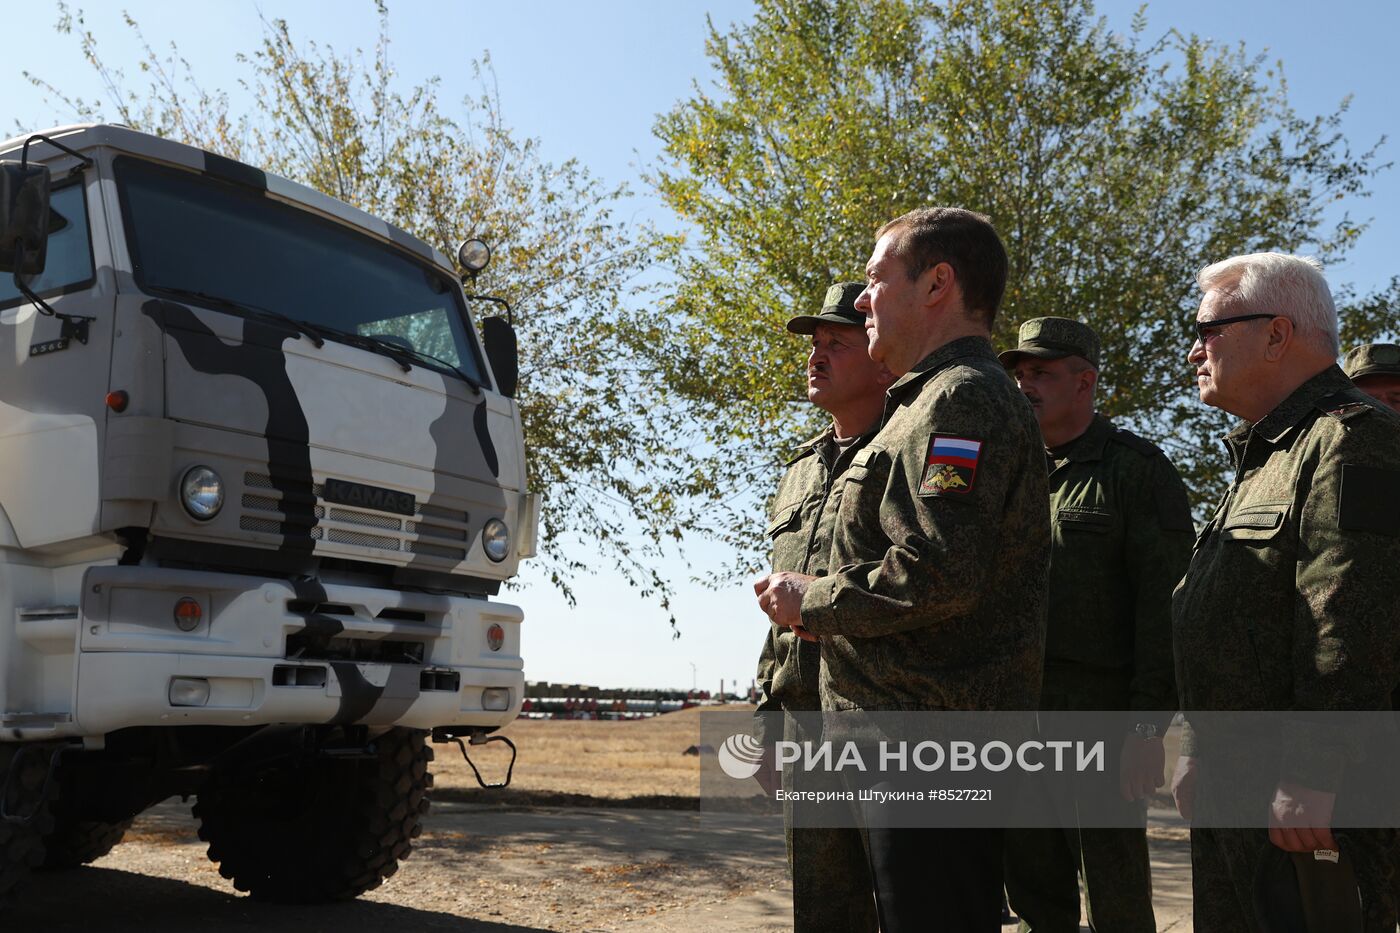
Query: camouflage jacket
x=1292 y=599
x=800 y=529
x=941 y=545
x=1121 y=539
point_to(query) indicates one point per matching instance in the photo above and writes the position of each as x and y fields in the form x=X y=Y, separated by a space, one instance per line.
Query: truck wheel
x=324 y=829
x=76 y=842
x=22 y=844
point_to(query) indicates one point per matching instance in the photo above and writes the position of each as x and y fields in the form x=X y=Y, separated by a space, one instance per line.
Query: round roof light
x=474 y=255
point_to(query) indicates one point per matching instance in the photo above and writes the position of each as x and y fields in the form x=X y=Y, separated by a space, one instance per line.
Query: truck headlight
x=495 y=540
x=202 y=493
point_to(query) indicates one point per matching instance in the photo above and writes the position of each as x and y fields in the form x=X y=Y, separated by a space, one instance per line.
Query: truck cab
x=259 y=489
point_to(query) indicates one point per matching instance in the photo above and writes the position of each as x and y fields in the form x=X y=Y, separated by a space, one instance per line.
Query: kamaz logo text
x=369 y=497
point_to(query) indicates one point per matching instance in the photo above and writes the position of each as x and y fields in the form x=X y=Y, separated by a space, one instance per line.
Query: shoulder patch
x=1130 y=440
x=950 y=465
x=1369 y=500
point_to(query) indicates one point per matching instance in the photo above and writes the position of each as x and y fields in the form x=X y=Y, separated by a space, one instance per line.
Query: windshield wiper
x=422 y=355
x=300 y=327
x=400 y=353
x=404 y=355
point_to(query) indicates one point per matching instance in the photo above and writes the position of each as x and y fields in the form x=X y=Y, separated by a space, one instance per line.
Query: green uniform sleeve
x=1159 y=537
x=767 y=706
x=935 y=540
x=1345 y=618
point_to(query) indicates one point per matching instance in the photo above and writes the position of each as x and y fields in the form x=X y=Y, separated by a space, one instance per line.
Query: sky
x=588 y=80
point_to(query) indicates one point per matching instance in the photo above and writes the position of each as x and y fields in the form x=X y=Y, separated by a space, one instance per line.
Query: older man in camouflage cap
x=1291 y=602
x=934 y=596
x=831 y=888
x=1121 y=539
x=1375 y=368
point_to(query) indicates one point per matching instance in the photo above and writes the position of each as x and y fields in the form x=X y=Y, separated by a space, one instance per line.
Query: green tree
x=601 y=455
x=1114 y=167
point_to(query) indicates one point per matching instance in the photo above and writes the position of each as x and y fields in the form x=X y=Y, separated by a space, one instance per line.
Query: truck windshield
x=190 y=234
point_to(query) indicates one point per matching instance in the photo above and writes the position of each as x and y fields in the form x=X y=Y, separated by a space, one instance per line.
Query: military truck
x=260 y=480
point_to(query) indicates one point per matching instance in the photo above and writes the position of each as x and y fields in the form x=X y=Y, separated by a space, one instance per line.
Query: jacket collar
x=938 y=360
x=825 y=443
x=807 y=446
x=1292 y=410
x=1089 y=445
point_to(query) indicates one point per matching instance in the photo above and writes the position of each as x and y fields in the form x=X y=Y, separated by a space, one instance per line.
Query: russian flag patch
x=951 y=465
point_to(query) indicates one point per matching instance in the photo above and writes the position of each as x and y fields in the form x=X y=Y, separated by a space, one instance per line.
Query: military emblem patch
x=951 y=465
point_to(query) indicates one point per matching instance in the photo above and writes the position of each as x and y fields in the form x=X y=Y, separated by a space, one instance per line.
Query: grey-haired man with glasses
x=1292 y=600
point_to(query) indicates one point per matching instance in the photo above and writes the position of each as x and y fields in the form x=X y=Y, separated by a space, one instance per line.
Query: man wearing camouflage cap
x=1121 y=539
x=830 y=881
x=934 y=596
x=1291 y=602
x=1375 y=368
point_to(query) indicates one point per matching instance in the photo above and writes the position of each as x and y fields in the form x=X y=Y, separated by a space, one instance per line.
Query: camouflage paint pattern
x=274 y=415
x=831 y=888
x=1121 y=540
x=1291 y=602
x=936 y=594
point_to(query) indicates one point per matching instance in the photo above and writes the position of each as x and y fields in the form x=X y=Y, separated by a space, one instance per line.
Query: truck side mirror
x=24 y=217
x=499 y=339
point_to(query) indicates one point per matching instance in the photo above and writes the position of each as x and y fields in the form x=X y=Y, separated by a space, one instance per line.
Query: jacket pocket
x=784 y=519
x=1258 y=523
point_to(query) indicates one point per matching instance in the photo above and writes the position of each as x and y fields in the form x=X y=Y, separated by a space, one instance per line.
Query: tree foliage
x=600 y=455
x=1115 y=166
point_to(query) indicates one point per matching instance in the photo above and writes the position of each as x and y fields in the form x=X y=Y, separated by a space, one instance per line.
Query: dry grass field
x=561 y=760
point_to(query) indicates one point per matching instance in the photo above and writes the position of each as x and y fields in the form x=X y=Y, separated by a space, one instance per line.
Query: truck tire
x=22 y=844
x=324 y=829
x=76 y=842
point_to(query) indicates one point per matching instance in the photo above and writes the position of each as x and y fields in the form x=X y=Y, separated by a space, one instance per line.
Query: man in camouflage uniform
x=1375 y=368
x=830 y=881
x=1121 y=539
x=935 y=593
x=1291 y=601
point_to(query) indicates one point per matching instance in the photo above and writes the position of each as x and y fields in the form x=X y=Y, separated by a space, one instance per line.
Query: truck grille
x=430 y=532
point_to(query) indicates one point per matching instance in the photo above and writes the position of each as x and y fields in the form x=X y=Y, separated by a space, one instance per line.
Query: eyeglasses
x=1208 y=329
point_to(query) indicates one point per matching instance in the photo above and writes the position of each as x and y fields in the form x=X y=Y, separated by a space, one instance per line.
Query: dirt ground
x=599 y=832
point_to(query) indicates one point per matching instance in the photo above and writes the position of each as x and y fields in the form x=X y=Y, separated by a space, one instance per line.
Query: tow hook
x=480 y=739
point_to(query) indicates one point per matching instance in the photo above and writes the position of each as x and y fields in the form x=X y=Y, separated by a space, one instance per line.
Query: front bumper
x=272 y=651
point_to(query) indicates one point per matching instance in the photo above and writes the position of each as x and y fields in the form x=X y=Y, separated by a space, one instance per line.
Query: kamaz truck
x=260 y=482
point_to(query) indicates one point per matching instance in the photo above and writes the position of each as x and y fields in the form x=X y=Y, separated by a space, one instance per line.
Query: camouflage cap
x=1051 y=338
x=838 y=307
x=1372 y=359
